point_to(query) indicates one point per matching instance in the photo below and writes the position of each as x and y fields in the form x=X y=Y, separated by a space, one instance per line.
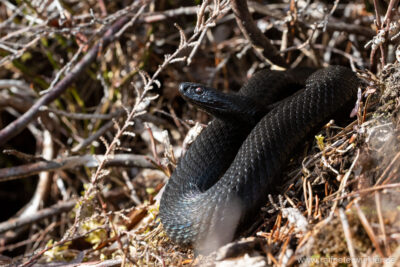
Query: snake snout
x=183 y=87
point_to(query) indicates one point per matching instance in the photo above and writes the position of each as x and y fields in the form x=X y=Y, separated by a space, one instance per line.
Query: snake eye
x=198 y=90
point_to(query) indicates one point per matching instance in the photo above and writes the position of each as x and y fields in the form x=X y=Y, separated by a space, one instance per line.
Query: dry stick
x=368 y=229
x=124 y=160
x=253 y=34
x=44 y=183
x=381 y=222
x=389 y=13
x=22 y=85
x=388 y=168
x=368 y=190
x=105 y=263
x=379 y=26
x=85 y=116
x=350 y=28
x=132 y=191
x=19 y=124
x=37 y=216
x=347 y=235
x=152 y=17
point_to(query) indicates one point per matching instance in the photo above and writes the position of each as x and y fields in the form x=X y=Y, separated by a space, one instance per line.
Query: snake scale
x=224 y=178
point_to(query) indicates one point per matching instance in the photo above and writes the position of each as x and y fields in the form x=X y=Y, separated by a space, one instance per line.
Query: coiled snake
x=225 y=176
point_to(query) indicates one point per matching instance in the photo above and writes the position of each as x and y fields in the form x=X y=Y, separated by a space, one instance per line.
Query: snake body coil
x=225 y=176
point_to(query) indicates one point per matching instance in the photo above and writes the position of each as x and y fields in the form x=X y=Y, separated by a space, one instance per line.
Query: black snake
x=225 y=176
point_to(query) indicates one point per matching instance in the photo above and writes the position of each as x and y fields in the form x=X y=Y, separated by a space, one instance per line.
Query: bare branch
x=53 y=210
x=122 y=160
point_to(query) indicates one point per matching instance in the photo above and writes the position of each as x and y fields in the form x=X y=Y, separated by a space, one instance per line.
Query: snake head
x=204 y=97
x=225 y=106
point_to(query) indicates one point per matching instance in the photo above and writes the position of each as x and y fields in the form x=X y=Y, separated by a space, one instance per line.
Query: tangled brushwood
x=92 y=126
